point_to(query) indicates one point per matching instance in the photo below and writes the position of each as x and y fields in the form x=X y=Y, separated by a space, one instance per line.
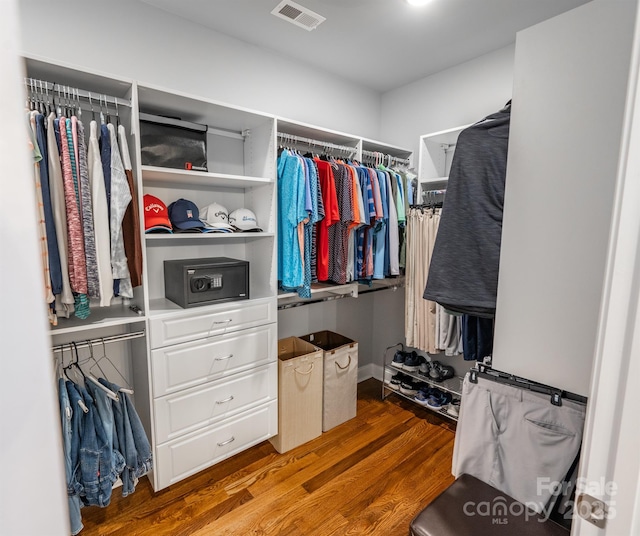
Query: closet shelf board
x=162 y=306
x=448 y=136
x=177 y=238
x=305 y=130
x=434 y=180
x=382 y=284
x=380 y=147
x=100 y=317
x=179 y=177
x=321 y=289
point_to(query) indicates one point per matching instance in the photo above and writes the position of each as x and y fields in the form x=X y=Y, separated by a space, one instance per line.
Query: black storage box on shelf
x=194 y=282
x=172 y=143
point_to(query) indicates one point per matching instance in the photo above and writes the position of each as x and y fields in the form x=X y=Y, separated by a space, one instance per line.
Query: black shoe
x=412 y=362
x=439 y=372
x=398 y=359
x=408 y=387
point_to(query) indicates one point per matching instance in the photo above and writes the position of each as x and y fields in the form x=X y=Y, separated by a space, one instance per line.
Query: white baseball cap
x=244 y=220
x=216 y=217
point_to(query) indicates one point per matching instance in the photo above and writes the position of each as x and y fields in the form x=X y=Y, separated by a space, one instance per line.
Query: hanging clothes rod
x=41 y=87
x=290 y=138
x=106 y=340
x=379 y=156
x=488 y=373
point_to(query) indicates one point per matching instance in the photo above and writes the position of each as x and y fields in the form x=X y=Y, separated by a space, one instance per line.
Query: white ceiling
x=380 y=44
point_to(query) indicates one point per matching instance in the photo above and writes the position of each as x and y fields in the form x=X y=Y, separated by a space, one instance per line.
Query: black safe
x=193 y=282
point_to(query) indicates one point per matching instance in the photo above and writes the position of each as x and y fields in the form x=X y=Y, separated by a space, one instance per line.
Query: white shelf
x=163 y=306
x=434 y=180
x=445 y=137
x=100 y=317
x=178 y=178
x=319 y=292
x=152 y=239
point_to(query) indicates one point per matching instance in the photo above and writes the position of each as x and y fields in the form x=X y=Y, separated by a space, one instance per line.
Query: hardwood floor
x=368 y=476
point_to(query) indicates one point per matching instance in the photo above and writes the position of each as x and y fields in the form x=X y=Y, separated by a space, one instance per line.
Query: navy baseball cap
x=184 y=215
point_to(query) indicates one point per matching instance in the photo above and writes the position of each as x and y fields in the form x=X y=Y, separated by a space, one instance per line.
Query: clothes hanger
x=73 y=364
x=113 y=396
x=126 y=389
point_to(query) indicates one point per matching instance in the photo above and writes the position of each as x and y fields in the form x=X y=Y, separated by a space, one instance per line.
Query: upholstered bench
x=469 y=507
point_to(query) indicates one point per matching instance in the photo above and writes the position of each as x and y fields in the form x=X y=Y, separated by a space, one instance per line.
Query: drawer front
x=198 y=407
x=194 y=363
x=183 y=457
x=190 y=325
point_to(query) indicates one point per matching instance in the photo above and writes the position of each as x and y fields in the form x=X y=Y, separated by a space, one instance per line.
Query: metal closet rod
x=107 y=340
x=41 y=86
x=384 y=156
x=316 y=143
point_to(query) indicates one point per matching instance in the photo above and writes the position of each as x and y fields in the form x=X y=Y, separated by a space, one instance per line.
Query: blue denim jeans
x=131 y=440
x=96 y=462
x=66 y=415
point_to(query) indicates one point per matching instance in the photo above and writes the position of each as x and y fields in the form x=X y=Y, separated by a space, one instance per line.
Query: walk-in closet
x=320 y=268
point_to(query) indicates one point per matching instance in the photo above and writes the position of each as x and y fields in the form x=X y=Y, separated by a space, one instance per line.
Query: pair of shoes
x=453 y=409
x=439 y=372
x=438 y=399
x=423 y=394
x=408 y=386
x=409 y=361
x=396 y=380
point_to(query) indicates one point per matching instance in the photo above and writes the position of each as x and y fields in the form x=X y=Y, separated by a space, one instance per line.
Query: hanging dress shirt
x=100 y=217
x=93 y=283
x=120 y=199
x=131 y=221
x=332 y=215
x=65 y=300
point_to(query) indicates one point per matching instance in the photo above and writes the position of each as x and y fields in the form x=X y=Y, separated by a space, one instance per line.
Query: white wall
x=457 y=96
x=32 y=490
x=134 y=40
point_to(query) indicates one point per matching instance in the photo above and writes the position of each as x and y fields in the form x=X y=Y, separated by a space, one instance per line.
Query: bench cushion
x=469 y=507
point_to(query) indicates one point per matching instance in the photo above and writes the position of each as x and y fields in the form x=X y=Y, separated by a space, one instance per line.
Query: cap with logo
x=185 y=216
x=156 y=216
x=216 y=218
x=244 y=220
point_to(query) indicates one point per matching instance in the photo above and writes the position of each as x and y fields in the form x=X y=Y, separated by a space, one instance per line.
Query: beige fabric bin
x=340 y=387
x=299 y=393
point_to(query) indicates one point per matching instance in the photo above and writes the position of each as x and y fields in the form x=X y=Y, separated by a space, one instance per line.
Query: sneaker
x=439 y=372
x=398 y=359
x=439 y=399
x=396 y=379
x=408 y=387
x=453 y=409
x=412 y=362
x=424 y=367
x=422 y=396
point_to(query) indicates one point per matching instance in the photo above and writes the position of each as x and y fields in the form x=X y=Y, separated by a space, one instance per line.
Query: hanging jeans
x=516 y=440
x=131 y=439
x=66 y=414
x=477 y=337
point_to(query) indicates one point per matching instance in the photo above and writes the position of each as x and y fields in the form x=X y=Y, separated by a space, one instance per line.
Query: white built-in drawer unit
x=193 y=452
x=219 y=320
x=195 y=408
x=194 y=363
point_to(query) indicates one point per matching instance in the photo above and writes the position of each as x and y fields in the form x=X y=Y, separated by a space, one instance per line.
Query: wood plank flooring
x=368 y=476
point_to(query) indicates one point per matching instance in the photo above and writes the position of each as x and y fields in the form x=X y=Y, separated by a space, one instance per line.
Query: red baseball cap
x=156 y=215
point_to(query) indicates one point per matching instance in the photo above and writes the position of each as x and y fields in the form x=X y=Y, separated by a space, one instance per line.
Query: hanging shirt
x=52 y=238
x=105 y=157
x=65 y=300
x=120 y=199
x=463 y=275
x=332 y=215
x=339 y=233
x=379 y=237
x=100 y=218
x=314 y=228
x=42 y=230
x=93 y=283
x=393 y=244
x=291 y=200
x=131 y=221
x=77 y=266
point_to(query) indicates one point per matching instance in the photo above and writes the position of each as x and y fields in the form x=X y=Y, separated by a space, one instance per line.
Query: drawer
x=181 y=366
x=183 y=457
x=195 y=408
x=189 y=325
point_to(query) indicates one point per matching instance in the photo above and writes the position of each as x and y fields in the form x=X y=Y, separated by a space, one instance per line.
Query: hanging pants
x=516 y=441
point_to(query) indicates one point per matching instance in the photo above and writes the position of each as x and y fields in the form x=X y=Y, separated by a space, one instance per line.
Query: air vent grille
x=298 y=15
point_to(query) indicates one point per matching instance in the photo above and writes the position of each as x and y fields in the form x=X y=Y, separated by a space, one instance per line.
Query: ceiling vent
x=298 y=15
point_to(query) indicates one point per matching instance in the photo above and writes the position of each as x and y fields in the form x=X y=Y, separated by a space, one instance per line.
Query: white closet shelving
x=436 y=153
x=305 y=137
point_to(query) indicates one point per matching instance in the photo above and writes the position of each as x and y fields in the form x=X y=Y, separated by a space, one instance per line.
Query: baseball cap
x=244 y=220
x=156 y=216
x=215 y=217
x=184 y=215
